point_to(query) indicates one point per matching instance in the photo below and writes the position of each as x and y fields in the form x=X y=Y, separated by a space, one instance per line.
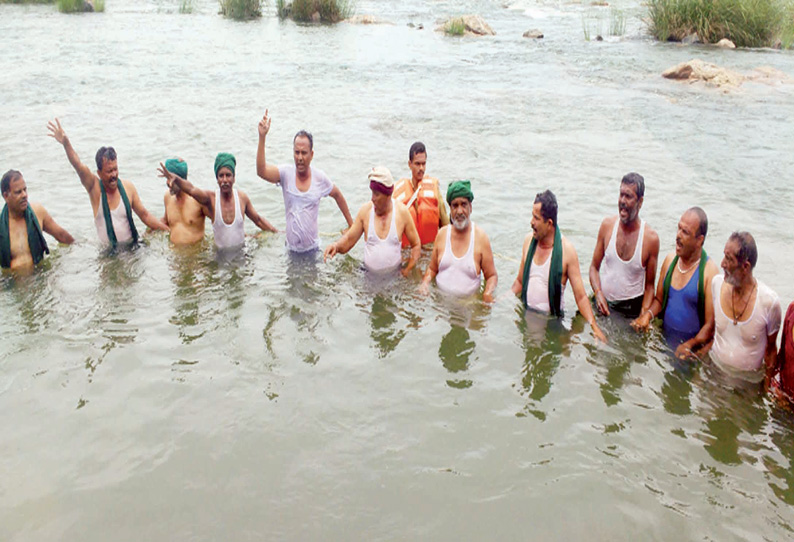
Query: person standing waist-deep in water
x=183 y=214
x=22 y=245
x=226 y=206
x=623 y=268
x=112 y=200
x=303 y=186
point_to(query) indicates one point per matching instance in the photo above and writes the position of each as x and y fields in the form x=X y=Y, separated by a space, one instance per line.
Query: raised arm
x=146 y=217
x=250 y=212
x=350 y=237
x=201 y=196
x=413 y=238
x=342 y=203
x=57 y=132
x=595 y=267
x=488 y=267
x=49 y=225
x=268 y=172
x=571 y=262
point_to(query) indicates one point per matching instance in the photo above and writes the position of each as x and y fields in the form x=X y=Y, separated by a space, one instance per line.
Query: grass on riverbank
x=747 y=23
x=455 y=27
x=328 y=11
x=241 y=10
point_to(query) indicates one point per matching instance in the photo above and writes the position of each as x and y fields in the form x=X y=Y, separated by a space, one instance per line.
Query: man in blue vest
x=683 y=295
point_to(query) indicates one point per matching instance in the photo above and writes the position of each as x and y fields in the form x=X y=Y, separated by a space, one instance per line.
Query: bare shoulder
x=568 y=250
x=667 y=261
x=441 y=237
x=39 y=210
x=479 y=233
x=129 y=186
x=607 y=224
x=711 y=269
x=650 y=234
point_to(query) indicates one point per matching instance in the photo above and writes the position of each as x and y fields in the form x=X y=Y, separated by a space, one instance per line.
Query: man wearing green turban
x=225 y=206
x=183 y=214
x=462 y=252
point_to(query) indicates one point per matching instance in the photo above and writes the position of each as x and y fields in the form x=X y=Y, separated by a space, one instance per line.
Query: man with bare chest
x=623 y=268
x=183 y=214
x=225 y=206
x=22 y=244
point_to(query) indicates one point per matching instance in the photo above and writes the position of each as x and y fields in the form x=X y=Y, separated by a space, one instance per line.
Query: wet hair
x=416 y=148
x=307 y=135
x=748 y=251
x=548 y=206
x=635 y=180
x=8 y=177
x=104 y=153
x=703 y=221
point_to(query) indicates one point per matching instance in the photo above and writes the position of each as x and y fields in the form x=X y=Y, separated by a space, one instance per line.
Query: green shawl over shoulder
x=555 y=273
x=701 y=292
x=109 y=221
x=36 y=241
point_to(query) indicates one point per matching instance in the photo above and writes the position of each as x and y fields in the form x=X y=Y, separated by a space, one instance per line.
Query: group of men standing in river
x=736 y=317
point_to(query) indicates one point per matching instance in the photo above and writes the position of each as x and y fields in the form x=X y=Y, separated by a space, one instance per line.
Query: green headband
x=177 y=166
x=224 y=159
x=460 y=189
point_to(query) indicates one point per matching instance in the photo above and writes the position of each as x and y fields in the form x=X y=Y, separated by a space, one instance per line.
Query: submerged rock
x=725 y=43
x=316 y=17
x=368 y=19
x=474 y=25
x=88 y=6
x=690 y=39
x=697 y=70
x=534 y=34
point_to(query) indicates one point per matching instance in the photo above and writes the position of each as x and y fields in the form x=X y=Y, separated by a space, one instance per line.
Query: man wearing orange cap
x=383 y=222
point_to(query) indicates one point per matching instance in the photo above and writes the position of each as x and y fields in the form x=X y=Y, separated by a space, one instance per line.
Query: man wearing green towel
x=22 y=244
x=683 y=296
x=226 y=206
x=112 y=200
x=548 y=263
x=183 y=214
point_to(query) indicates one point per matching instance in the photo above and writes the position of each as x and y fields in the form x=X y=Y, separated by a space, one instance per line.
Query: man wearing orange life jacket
x=422 y=196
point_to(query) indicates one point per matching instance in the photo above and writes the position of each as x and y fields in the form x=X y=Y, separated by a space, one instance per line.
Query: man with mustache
x=746 y=314
x=22 y=245
x=303 y=186
x=183 y=213
x=462 y=251
x=383 y=222
x=548 y=263
x=112 y=200
x=683 y=297
x=226 y=206
x=623 y=268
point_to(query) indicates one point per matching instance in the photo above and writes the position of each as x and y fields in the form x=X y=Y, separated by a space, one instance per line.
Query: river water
x=170 y=394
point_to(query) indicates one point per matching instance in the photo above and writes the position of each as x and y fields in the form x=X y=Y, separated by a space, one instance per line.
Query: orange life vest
x=424 y=210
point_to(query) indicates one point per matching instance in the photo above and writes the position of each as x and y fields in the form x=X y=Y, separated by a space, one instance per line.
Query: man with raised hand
x=422 y=195
x=383 y=221
x=683 y=296
x=183 y=213
x=548 y=263
x=303 y=186
x=226 y=205
x=462 y=252
x=112 y=200
x=623 y=268
x=22 y=245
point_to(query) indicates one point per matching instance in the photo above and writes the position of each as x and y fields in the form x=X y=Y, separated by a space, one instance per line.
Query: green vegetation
x=241 y=10
x=455 y=27
x=617 y=22
x=186 y=6
x=80 y=6
x=328 y=11
x=747 y=23
x=595 y=23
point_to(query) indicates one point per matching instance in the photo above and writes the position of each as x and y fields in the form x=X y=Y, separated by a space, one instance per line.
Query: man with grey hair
x=746 y=314
x=683 y=296
x=623 y=268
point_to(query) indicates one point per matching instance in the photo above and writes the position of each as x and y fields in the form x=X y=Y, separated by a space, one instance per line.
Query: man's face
x=302 y=153
x=459 y=211
x=687 y=240
x=109 y=174
x=418 y=165
x=734 y=271
x=628 y=203
x=17 y=196
x=380 y=202
x=225 y=180
x=540 y=226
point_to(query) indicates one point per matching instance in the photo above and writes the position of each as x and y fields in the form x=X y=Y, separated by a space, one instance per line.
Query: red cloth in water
x=786 y=355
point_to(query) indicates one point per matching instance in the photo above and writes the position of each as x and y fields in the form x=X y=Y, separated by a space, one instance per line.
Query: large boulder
x=725 y=43
x=473 y=25
x=711 y=74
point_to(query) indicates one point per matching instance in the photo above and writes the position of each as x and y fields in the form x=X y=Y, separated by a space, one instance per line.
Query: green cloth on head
x=224 y=159
x=177 y=166
x=109 y=221
x=668 y=279
x=36 y=241
x=555 y=274
x=460 y=189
